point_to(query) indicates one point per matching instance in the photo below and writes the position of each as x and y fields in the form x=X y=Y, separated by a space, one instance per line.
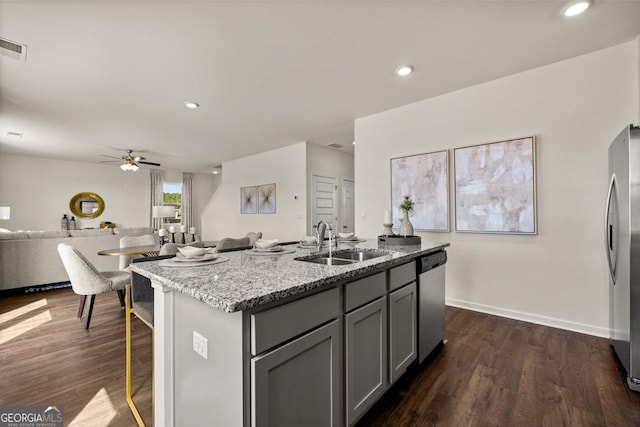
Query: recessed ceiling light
x=215 y=172
x=354 y=143
x=192 y=105
x=404 y=70
x=576 y=7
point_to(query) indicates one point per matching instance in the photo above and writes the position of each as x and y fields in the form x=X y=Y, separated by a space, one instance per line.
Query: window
x=172 y=196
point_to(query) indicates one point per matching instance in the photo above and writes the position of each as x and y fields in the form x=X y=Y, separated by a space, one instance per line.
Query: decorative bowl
x=265 y=244
x=191 y=252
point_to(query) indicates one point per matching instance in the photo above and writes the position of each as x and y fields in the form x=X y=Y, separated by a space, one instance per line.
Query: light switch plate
x=200 y=345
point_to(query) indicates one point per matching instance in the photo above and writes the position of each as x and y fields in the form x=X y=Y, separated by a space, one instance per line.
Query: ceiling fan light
x=134 y=167
x=124 y=167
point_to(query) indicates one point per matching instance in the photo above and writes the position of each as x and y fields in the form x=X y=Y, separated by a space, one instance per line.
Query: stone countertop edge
x=237 y=285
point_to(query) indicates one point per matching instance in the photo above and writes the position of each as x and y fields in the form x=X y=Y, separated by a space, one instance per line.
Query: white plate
x=307 y=246
x=282 y=251
x=206 y=257
x=271 y=249
x=175 y=262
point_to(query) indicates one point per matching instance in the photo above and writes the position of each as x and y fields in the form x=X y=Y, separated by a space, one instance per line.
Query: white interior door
x=348 y=203
x=324 y=201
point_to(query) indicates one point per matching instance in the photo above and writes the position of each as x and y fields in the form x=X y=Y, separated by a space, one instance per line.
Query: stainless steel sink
x=357 y=255
x=328 y=261
x=343 y=257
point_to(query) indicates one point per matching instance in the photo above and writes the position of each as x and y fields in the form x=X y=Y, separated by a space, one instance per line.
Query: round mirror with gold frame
x=87 y=205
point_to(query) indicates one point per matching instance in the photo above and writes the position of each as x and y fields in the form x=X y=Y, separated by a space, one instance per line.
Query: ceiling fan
x=130 y=162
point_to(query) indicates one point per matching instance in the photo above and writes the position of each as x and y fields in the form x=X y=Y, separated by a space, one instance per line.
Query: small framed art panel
x=267 y=199
x=425 y=179
x=249 y=200
x=495 y=187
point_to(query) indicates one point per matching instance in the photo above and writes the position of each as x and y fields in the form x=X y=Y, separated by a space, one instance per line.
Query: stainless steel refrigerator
x=622 y=235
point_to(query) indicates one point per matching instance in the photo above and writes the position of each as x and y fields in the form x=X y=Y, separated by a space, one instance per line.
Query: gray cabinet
x=299 y=383
x=296 y=374
x=366 y=357
x=402 y=330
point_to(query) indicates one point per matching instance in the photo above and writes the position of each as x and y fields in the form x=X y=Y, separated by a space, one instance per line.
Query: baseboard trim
x=531 y=318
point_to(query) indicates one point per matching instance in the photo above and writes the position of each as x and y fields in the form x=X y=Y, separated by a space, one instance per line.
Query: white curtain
x=187 y=197
x=156 y=197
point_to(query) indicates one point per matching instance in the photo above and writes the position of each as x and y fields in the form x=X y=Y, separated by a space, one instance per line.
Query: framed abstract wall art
x=425 y=178
x=495 y=187
x=267 y=199
x=248 y=200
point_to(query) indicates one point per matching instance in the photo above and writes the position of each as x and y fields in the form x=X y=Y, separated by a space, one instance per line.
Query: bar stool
x=139 y=303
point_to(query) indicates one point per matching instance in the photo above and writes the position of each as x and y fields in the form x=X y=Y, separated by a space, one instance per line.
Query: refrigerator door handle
x=608 y=228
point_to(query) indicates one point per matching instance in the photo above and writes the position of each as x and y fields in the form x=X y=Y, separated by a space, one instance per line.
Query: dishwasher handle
x=431 y=261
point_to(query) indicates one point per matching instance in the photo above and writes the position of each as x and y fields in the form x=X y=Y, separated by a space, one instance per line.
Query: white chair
x=129 y=241
x=228 y=244
x=253 y=236
x=86 y=280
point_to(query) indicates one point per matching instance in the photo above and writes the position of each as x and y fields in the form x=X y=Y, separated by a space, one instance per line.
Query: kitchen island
x=269 y=339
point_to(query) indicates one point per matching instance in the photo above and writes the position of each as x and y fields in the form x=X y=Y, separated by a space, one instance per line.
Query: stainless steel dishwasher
x=430 y=302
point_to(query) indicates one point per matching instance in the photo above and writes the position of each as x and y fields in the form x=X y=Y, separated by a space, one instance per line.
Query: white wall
x=332 y=163
x=286 y=167
x=38 y=191
x=574 y=108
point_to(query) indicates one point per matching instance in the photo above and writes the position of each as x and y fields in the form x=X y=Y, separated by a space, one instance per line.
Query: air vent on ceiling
x=13 y=50
x=335 y=145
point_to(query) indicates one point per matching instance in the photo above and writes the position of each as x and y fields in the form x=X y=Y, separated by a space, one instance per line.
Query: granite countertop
x=248 y=280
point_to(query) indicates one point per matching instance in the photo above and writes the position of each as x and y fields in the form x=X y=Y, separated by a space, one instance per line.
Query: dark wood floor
x=492 y=372
x=501 y=372
x=47 y=358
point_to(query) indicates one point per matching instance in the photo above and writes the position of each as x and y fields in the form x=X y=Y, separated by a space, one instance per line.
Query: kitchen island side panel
x=208 y=392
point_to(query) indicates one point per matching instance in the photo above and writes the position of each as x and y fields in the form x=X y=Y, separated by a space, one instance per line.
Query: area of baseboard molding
x=532 y=318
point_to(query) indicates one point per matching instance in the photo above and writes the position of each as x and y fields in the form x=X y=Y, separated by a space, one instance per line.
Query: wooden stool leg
x=83 y=298
x=91 y=301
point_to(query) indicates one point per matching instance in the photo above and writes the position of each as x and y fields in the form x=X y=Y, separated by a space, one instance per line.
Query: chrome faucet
x=321 y=228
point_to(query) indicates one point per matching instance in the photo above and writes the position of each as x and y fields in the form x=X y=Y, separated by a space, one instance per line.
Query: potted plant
x=406 y=228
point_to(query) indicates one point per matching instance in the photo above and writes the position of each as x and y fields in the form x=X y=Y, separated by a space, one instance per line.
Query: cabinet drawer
x=272 y=327
x=401 y=275
x=362 y=291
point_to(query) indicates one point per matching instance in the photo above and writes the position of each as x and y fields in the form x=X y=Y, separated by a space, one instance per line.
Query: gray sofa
x=30 y=258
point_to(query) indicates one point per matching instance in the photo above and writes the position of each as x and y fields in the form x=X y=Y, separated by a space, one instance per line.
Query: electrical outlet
x=200 y=345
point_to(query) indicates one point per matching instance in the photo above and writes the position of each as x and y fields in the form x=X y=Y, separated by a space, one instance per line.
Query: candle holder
x=183 y=239
x=161 y=240
x=193 y=237
x=387 y=229
x=173 y=238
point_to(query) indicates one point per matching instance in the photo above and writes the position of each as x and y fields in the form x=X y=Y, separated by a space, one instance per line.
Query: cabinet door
x=366 y=357
x=402 y=330
x=299 y=383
